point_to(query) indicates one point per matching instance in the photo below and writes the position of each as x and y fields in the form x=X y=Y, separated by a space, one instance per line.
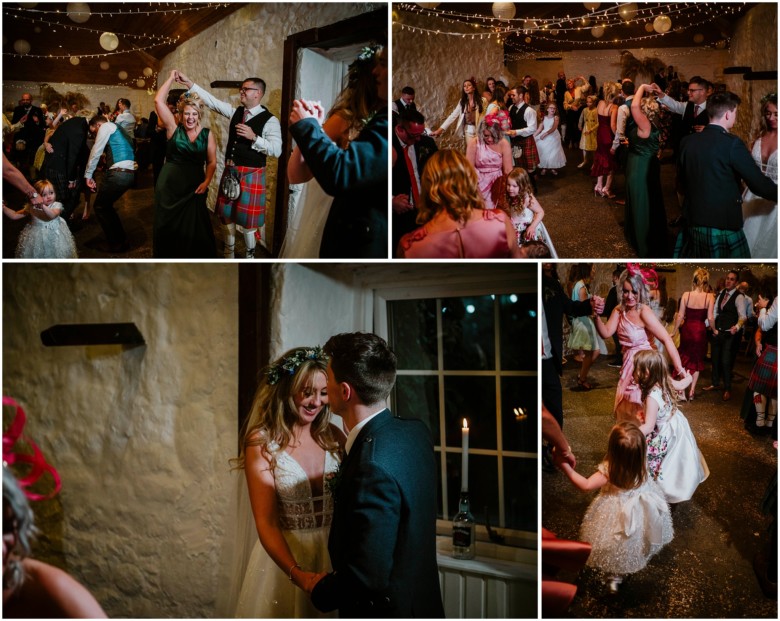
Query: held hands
x=306 y=580
x=560 y=458
x=303 y=109
x=597 y=303
x=181 y=78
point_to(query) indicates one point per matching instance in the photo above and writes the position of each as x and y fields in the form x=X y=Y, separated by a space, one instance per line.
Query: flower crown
x=649 y=275
x=37 y=462
x=290 y=364
x=768 y=97
x=366 y=58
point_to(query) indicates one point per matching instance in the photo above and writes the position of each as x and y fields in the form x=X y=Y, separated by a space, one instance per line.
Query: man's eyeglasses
x=243 y=90
x=693 y=90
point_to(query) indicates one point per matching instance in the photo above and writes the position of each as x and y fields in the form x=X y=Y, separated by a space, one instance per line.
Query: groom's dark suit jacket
x=383 y=537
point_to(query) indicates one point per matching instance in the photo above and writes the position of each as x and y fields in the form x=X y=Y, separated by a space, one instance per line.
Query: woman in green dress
x=645 y=214
x=182 y=223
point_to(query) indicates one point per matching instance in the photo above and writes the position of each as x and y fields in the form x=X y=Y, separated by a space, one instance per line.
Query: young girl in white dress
x=525 y=211
x=674 y=460
x=289 y=453
x=47 y=236
x=548 y=142
x=629 y=521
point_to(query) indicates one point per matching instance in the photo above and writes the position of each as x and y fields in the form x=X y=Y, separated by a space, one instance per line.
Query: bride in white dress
x=759 y=214
x=309 y=204
x=290 y=457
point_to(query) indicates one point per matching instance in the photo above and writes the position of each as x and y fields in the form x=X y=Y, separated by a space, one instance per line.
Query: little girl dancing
x=673 y=457
x=47 y=236
x=524 y=210
x=629 y=521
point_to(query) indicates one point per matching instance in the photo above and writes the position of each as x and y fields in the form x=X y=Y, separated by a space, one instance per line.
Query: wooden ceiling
x=714 y=21
x=147 y=32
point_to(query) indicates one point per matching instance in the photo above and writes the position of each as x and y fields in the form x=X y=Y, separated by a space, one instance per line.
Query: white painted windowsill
x=494 y=560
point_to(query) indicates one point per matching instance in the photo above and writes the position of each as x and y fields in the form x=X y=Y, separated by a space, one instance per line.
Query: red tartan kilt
x=530 y=157
x=248 y=210
x=763 y=378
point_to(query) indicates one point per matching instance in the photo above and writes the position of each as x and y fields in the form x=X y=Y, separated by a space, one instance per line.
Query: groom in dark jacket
x=383 y=537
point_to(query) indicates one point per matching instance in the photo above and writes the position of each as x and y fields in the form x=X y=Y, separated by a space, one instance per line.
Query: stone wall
x=250 y=42
x=141 y=436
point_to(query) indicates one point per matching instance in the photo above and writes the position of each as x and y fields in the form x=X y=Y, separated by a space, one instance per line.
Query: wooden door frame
x=367 y=26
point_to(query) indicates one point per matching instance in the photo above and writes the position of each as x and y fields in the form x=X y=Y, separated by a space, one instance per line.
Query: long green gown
x=182 y=224
x=645 y=219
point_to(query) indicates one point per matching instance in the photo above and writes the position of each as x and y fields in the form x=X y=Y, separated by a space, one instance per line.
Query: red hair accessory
x=649 y=275
x=38 y=464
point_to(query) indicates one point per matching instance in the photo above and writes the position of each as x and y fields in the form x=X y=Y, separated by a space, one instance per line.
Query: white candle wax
x=464 y=467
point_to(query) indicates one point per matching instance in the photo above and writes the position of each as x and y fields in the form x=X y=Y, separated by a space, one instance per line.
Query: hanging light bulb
x=504 y=10
x=109 y=41
x=662 y=24
x=22 y=47
x=78 y=12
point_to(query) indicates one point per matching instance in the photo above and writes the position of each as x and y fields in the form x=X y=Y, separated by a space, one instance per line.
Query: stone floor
x=135 y=208
x=584 y=226
x=706 y=571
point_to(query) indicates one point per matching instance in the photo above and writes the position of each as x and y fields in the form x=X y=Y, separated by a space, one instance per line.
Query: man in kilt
x=710 y=167
x=523 y=119
x=763 y=379
x=254 y=135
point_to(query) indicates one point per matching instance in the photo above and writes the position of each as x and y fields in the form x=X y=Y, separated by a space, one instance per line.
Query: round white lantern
x=148 y=71
x=649 y=27
x=122 y=75
x=78 y=12
x=109 y=41
x=591 y=6
x=662 y=24
x=104 y=65
x=597 y=32
x=140 y=83
x=504 y=10
x=21 y=47
x=75 y=60
x=698 y=38
x=628 y=11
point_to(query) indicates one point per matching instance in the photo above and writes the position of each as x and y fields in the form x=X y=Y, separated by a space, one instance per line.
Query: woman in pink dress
x=636 y=325
x=491 y=157
x=604 y=161
x=454 y=222
x=695 y=306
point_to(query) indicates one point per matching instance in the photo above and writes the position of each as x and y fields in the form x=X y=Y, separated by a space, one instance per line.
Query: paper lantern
x=554 y=33
x=78 y=12
x=628 y=11
x=662 y=24
x=109 y=41
x=591 y=6
x=649 y=27
x=75 y=60
x=585 y=21
x=504 y=10
x=698 y=38
x=148 y=71
x=21 y=47
x=140 y=83
x=597 y=32
x=104 y=65
x=528 y=39
x=122 y=75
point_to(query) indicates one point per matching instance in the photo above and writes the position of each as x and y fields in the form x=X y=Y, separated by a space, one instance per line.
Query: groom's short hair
x=365 y=362
x=259 y=82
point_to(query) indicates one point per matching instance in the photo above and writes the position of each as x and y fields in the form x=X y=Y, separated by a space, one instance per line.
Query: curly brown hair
x=449 y=182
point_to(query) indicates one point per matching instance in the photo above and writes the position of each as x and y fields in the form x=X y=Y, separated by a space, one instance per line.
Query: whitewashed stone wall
x=142 y=103
x=250 y=42
x=140 y=437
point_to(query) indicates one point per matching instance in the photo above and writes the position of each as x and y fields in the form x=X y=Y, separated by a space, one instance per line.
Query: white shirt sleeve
x=678 y=107
x=223 y=107
x=768 y=319
x=101 y=140
x=622 y=117
x=270 y=142
x=530 y=122
x=452 y=117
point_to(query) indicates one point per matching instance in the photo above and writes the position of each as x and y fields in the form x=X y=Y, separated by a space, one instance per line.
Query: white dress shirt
x=355 y=431
x=101 y=140
x=530 y=122
x=678 y=107
x=270 y=142
x=624 y=111
x=767 y=319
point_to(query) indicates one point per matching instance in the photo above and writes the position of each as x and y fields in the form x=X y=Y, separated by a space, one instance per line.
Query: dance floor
x=706 y=571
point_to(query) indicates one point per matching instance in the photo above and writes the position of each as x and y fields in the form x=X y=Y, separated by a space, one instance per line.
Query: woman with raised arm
x=182 y=223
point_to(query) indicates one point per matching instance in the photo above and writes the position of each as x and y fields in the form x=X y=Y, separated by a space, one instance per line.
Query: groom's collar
x=355 y=431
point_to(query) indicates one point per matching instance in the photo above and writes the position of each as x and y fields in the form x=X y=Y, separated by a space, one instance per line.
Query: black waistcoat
x=728 y=315
x=688 y=121
x=517 y=116
x=239 y=149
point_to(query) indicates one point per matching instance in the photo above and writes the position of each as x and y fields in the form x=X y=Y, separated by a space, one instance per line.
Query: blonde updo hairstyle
x=701 y=278
x=611 y=90
x=449 y=182
x=192 y=100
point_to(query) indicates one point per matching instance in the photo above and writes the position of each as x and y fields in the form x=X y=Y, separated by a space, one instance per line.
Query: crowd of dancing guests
x=620 y=127
x=343 y=152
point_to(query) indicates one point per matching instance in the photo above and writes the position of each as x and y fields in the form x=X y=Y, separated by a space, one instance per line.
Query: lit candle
x=464 y=468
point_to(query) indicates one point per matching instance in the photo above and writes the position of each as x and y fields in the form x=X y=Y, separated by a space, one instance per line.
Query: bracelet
x=289 y=571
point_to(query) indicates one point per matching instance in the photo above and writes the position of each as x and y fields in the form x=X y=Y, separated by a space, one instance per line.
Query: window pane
x=473 y=398
x=416 y=396
x=520 y=494
x=483 y=486
x=519 y=435
x=413 y=333
x=518 y=326
x=468 y=333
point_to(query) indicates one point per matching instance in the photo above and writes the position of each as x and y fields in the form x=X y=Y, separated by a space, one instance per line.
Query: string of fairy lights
x=165 y=8
x=517 y=34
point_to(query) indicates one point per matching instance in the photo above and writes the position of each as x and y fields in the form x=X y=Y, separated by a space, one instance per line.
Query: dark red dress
x=693 y=339
x=603 y=161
